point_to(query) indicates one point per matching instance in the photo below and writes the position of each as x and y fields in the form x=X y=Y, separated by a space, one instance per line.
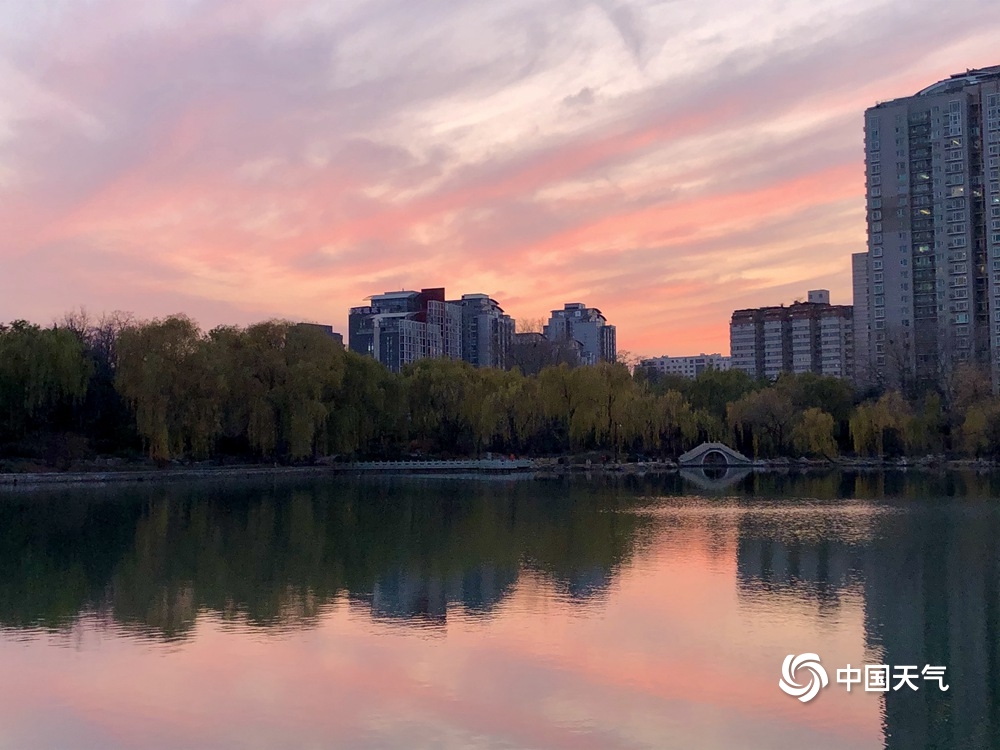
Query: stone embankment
x=542 y=468
x=139 y=474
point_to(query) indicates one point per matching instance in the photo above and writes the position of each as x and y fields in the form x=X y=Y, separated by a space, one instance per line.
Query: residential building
x=398 y=328
x=932 y=167
x=812 y=336
x=587 y=325
x=487 y=332
x=688 y=367
x=859 y=273
x=746 y=342
x=325 y=330
x=777 y=353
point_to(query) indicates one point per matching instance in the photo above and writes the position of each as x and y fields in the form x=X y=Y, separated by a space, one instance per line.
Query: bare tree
x=530 y=325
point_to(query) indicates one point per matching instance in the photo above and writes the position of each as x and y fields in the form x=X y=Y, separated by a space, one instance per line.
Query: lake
x=651 y=612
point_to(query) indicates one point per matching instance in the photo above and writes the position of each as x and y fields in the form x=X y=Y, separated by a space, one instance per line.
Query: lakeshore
x=103 y=472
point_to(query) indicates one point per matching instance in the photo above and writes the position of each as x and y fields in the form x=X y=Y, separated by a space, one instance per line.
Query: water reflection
x=713 y=478
x=413 y=596
x=928 y=571
x=931 y=596
x=152 y=559
x=819 y=572
x=622 y=614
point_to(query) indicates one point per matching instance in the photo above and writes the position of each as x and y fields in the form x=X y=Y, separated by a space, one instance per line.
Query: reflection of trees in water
x=152 y=559
x=929 y=573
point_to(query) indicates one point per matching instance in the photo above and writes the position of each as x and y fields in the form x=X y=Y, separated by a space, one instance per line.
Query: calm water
x=497 y=614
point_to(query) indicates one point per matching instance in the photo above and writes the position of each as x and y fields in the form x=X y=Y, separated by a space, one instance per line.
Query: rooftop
x=961 y=80
x=392 y=295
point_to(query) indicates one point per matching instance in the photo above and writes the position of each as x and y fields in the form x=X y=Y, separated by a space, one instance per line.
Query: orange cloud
x=230 y=164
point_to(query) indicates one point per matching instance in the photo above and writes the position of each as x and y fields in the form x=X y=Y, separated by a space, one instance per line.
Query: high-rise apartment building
x=399 y=328
x=487 y=332
x=932 y=164
x=587 y=325
x=859 y=278
x=812 y=336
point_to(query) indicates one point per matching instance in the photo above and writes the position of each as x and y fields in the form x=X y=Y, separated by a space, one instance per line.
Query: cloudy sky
x=236 y=160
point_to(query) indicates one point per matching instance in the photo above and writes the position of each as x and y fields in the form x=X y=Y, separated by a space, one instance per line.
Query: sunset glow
x=664 y=162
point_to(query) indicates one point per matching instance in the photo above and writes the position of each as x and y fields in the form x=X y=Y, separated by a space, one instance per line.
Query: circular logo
x=806 y=691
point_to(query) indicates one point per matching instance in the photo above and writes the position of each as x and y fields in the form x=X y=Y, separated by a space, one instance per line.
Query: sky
x=238 y=160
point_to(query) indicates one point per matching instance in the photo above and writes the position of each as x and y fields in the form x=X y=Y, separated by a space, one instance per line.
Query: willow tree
x=490 y=404
x=979 y=433
x=281 y=383
x=619 y=418
x=768 y=416
x=166 y=373
x=371 y=410
x=314 y=369
x=41 y=370
x=813 y=434
x=527 y=415
x=677 y=424
x=873 y=423
x=436 y=391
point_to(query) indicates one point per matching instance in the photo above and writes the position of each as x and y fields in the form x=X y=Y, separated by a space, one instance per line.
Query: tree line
x=279 y=391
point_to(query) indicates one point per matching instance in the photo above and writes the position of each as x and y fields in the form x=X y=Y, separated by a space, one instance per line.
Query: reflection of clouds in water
x=535 y=598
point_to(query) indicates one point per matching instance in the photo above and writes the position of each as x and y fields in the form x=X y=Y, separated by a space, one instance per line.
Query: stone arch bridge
x=713 y=454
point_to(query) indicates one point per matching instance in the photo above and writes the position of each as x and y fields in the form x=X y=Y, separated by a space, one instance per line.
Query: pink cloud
x=229 y=170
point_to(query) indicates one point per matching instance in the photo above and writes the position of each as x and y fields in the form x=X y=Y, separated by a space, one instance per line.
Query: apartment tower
x=399 y=328
x=933 y=204
x=812 y=336
x=587 y=325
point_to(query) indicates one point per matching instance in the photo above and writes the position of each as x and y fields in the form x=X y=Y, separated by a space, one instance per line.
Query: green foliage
x=280 y=382
x=768 y=417
x=835 y=396
x=927 y=428
x=813 y=435
x=166 y=375
x=881 y=427
x=713 y=390
x=371 y=410
x=285 y=392
x=980 y=430
x=271 y=385
x=41 y=372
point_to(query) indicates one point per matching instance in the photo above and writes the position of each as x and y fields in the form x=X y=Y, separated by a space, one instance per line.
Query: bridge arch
x=713 y=454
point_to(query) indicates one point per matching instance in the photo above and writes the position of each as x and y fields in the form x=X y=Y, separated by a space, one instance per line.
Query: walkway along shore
x=181 y=473
x=542 y=468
